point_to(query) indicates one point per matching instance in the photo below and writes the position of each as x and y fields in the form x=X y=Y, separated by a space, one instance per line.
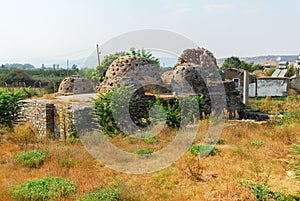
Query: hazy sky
x=41 y=31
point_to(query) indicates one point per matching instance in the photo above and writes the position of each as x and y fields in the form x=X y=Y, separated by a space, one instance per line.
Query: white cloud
x=179 y=11
x=218 y=7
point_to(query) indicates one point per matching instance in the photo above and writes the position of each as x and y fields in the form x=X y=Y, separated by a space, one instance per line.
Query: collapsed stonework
x=75 y=85
x=196 y=72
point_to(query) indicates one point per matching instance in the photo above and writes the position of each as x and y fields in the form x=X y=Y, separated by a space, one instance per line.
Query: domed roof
x=130 y=69
x=75 y=85
x=199 y=56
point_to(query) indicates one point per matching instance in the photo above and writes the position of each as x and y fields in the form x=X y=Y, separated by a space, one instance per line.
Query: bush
x=103 y=195
x=43 y=189
x=175 y=116
x=289 y=117
x=215 y=141
x=104 y=109
x=23 y=135
x=151 y=140
x=118 y=97
x=257 y=143
x=31 y=159
x=296 y=150
x=10 y=105
x=203 y=150
x=145 y=152
x=263 y=193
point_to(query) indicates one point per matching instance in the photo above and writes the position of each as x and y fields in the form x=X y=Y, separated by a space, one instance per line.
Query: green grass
x=145 y=152
x=31 y=159
x=151 y=140
x=103 y=195
x=257 y=143
x=203 y=150
x=44 y=189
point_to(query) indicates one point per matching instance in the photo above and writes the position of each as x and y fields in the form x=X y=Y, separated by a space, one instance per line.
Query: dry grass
x=212 y=178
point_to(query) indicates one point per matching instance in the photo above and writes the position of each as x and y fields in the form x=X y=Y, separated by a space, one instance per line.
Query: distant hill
x=17 y=65
x=264 y=59
x=166 y=61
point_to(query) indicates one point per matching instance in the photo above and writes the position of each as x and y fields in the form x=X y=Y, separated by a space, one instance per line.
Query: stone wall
x=295 y=83
x=41 y=115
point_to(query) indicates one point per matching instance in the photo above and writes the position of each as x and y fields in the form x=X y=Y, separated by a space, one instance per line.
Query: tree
x=231 y=62
x=144 y=53
x=17 y=76
x=235 y=62
x=100 y=70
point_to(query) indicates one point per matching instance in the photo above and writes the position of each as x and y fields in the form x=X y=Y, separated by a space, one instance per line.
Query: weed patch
x=203 y=150
x=43 y=189
x=103 y=195
x=31 y=159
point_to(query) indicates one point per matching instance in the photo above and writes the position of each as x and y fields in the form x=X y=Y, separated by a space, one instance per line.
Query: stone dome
x=133 y=70
x=198 y=56
x=75 y=85
x=195 y=67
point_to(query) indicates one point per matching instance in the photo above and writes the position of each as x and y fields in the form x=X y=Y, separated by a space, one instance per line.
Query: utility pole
x=67 y=67
x=246 y=88
x=98 y=54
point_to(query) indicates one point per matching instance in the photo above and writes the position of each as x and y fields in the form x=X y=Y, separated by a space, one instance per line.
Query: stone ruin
x=131 y=70
x=75 y=85
x=195 y=73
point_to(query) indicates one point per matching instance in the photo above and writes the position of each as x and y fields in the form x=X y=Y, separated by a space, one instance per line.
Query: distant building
x=283 y=64
x=270 y=64
x=237 y=76
x=273 y=86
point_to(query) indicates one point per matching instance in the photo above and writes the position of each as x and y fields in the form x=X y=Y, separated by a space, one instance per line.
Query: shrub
x=104 y=106
x=145 y=152
x=10 y=105
x=175 y=116
x=151 y=140
x=203 y=150
x=215 y=141
x=23 y=135
x=103 y=195
x=289 y=117
x=113 y=102
x=263 y=193
x=31 y=159
x=44 y=189
x=257 y=143
x=296 y=150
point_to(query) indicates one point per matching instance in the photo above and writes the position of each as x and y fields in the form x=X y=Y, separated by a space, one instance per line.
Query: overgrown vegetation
x=177 y=112
x=31 y=159
x=145 y=54
x=145 y=152
x=10 y=105
x=263 y=193
x=203 y=150
x=103 y=195
x=296 y=151
x=47 y=188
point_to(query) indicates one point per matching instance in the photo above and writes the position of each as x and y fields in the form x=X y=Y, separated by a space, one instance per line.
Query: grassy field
x=248 y=154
